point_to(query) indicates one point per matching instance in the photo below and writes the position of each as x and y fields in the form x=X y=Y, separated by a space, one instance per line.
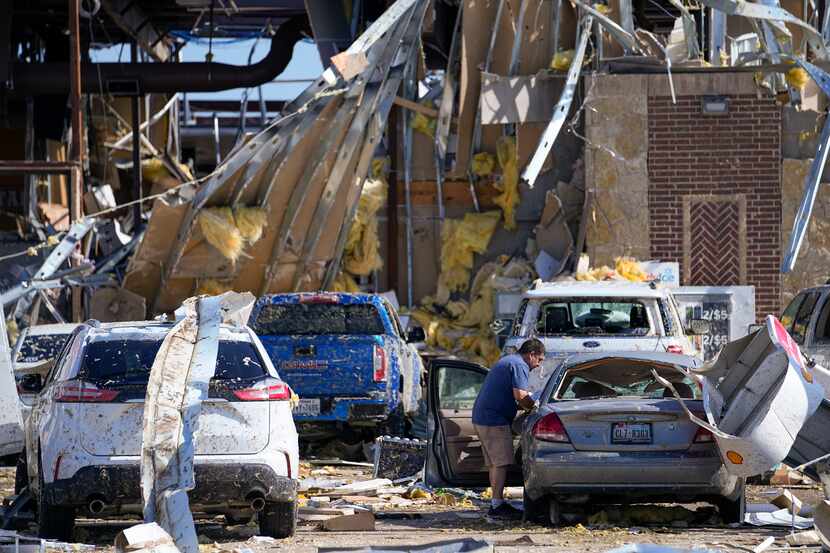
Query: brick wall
x=696 y=162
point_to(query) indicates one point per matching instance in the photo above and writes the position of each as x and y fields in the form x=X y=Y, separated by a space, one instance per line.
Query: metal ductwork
x=142 y=78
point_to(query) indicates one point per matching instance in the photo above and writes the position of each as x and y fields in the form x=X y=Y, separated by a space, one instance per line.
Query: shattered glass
x=318 y=318
x=41 y=347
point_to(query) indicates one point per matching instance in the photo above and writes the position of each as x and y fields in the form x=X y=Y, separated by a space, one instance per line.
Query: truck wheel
x=534 y=509
x=395 y=424
x=53 y=521
x=278 y=520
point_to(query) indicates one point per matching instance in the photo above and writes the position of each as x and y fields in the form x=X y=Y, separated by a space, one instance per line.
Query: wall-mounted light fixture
x=715 y=105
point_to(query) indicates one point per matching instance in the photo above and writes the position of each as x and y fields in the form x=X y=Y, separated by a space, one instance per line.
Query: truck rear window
x=593 y=316
x=318 y=318
x=130 y=361
x=41 y=347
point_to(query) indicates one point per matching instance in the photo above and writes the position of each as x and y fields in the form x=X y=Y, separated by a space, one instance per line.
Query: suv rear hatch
x=325 y=349
x=119 y=369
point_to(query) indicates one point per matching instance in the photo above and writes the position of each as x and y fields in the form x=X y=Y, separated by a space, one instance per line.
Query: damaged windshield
x=593 y=316
x=41 y=347
x=130 y=361
x=318 y=318
x=624 y=379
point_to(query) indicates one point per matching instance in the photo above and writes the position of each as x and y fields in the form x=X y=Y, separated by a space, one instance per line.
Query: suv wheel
x=278 y=520
x=53 y=521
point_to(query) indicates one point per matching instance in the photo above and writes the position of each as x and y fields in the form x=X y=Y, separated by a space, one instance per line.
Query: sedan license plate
x=308 y=407
x=630 y=433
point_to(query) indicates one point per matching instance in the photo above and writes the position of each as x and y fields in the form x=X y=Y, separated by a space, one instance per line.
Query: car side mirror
x=699 y=327
x=753 y=328
x=31 y=383
x=416 y=334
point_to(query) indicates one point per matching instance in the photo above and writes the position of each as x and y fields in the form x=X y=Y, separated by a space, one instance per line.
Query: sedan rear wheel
x=278 y=520
x=553 y=512
x=53 y=521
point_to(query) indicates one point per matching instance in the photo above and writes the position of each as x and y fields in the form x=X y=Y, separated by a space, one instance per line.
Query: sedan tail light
x=703 y=436
x=268 y=390
x=674 y=349
x=79 y=391
x=379 y=360
x=550 y=429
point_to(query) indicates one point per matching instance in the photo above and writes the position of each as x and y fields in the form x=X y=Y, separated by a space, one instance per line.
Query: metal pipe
x=76 y=153
x=96 y=506
x=216 y=139
x=136 y=125
x=258 y=504
x=131 y=78
x=410 y=92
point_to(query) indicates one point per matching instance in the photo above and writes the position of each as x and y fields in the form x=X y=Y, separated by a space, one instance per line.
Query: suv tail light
x=674 y=349
x=703 y=436
x=380 y=363
x=268 y=390
x=79 y=391
x=550 y=429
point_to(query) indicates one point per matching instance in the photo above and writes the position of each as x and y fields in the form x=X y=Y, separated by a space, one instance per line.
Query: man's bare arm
x=523 y=398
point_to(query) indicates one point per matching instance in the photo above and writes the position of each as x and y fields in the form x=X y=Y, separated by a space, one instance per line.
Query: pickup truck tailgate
x=325 y=365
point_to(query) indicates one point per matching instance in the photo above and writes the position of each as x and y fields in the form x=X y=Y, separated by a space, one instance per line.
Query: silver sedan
x=607 y=432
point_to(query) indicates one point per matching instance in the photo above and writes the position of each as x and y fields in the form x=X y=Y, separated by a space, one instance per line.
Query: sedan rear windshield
x=593 y=317
x=318 y=318
x=130 y=361
x=41 y=347
x=624 y=379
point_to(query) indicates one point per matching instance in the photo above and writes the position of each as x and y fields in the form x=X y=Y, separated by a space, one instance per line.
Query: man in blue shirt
x=504 y=390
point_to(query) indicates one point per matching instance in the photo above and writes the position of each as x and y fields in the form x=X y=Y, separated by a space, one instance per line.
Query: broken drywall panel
x=144 y=538
x=553 y=238
x=523 y=99
x=117 y=304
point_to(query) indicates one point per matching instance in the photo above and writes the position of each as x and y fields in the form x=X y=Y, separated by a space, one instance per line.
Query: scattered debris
x=468 y=545
x=397 y=458
x=146 y=538
x=355 y=522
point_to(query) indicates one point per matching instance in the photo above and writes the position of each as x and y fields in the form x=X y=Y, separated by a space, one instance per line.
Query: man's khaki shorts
x=497 y=444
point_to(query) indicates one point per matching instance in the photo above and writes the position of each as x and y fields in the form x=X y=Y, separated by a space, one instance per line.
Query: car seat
x=592 y=389
x=557 y=321
x=683 y=390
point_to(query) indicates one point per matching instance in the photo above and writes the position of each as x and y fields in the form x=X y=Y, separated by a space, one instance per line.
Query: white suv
x=83 y=438
x=577 y=317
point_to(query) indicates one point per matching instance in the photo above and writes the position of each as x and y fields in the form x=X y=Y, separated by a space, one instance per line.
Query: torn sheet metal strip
x=689 y=30
x=560 y=111
x=404 y=70
x=813 y=182
x=377 y=102
x=717 y=36
x=381 y=57
x=626 y=39
x=54 y=260
x=379 y=28
x=627 y=16
x=516 y=49
x=769 y=13
x=766 y=399
x=442 y=128
x=177 y=385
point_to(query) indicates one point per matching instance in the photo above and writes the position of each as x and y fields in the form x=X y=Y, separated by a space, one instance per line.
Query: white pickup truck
x=578 y=317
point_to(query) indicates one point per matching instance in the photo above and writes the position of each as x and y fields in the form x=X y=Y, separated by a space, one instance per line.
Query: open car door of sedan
x=454 y=454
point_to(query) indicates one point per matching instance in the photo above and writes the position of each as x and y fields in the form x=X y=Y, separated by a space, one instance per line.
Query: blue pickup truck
x=347 y=357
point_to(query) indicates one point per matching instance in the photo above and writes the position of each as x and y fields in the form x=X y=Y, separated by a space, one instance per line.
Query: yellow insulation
x=213 y=287
x=562 y=60
x=509 y=185
x=483 y=164
x=362 y=251
x=250 y=221
x=345 y=283
x=460 y=240
x=625 y=268
x=797 y=78
x=424 y=124
x=219 y=228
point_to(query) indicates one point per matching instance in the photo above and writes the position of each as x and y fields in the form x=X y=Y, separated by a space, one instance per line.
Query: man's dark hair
x=533 y=345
